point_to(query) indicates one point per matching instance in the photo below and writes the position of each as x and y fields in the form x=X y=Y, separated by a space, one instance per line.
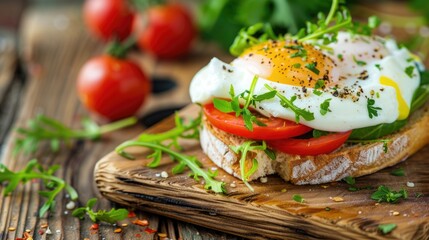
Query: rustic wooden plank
x=269 y=212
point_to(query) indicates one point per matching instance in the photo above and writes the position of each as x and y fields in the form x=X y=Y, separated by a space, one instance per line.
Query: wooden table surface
x=38 y=76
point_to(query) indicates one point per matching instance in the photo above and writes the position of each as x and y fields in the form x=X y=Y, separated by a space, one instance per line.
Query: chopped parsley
x=340 y=57
x=298 y=198
x=359 y=62
x=386 y=228
x=398 y=172
x=319 y=85
x=378 y=66
x=300 y=53
x=324 y=107
x=385 y=194
x=372 y=110
x=312 y=67
x=297 y=65
x=409 y=71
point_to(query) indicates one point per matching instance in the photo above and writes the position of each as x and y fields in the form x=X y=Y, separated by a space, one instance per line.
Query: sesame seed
x=233 y=185
x=11 y=229
x=410 y=184
x=337 y=199
x=164 y=174
x=70 y=205
x=263 y=179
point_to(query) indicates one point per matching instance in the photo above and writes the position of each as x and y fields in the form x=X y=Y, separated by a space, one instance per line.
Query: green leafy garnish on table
x=387 y=228
x=233 y=105
x=43 y=128
x=34 y=170
x=399 y=172
x=112 y=216
x=162 y=143
x=385 y=194
x=298 y=198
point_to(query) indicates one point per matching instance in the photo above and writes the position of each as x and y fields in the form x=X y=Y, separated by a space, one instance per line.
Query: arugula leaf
x=244 y=148
x=324 y=107
x=34 y=170
x=191 y=162
x=409 y=71
x=386 y=228
x=384 y=194
x=250 y=99
x=43 y=128
x=288 y=103
x=377 y=131
x=112 y=216
x=398 y=172
x=247 y=37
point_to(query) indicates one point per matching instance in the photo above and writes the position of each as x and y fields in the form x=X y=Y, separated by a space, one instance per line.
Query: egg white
x=346 y=113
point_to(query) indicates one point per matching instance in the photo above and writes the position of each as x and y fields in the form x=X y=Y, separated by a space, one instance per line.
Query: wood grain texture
x=269 y=212
x=54 y=45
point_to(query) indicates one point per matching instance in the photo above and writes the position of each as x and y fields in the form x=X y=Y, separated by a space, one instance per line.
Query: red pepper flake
x=41 y=231
x=94 y=226
x=150 y=230
x=140 y=222
x=138 y=235
x=131 y=214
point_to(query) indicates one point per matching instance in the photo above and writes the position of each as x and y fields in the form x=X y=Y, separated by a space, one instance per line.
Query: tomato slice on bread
x=276 y=128
x=312 y=146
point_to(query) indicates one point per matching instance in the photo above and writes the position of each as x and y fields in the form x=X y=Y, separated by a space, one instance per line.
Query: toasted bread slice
x=349 y=160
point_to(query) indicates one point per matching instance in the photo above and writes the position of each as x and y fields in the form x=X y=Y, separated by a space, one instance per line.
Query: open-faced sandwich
x=330 y=102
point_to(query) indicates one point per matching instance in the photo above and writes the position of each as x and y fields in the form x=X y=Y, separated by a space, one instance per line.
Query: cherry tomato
x=108 y=19
x=310 y=147
x=167 y=32
x=112 y=87
x=277 y=128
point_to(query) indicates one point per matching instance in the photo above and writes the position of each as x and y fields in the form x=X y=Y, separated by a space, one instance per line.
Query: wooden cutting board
x=269 y=212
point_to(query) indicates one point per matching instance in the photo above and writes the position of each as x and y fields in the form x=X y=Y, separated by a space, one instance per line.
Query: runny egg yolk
x=288 y=62
x=403 y=108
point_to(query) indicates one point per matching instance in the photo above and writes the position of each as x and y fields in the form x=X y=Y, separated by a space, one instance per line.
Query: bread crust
x=350 y=160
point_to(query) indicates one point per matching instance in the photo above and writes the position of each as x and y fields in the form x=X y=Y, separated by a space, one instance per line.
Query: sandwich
x=333 y=100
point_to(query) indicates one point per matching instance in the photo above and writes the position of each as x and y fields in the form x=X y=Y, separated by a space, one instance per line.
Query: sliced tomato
x=310 y=147
x=276 y=128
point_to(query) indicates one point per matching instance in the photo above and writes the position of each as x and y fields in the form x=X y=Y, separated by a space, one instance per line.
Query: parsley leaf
x=320 y=84
x=324 y=107
x=43 y=128
x=298 y=198
x=288 y=103
x=386 y=228
x=409 y=71
x=312 y=67
x=378 y=66
x=244 y=148
x=372 y=110
x=34 y=170
x=358 y=62
x=112 y=216
x=384 y=194
x=247 y=37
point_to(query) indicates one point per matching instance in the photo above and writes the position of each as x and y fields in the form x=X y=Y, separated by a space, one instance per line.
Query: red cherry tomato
x=310 y=147
x=277 y=128
x=112 y=87
x=167 y=32
x=108 y=19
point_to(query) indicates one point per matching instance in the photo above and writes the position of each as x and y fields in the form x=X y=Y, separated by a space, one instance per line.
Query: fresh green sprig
x=190 y=161
x=34 y=170
x=248 y=37
x=372 y=110
x=288 y=103
x=43 y=128
x=298 y=198
x=387 y=228
x=244 y=149
x=351 y=181
x=233 y=105
x=399 y=172
x=385 y=194
x=112 y=216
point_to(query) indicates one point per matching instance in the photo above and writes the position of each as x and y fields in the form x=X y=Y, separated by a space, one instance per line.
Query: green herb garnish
x=247 y=37
x=378 y=66
x=399 y=172
x=246 y=147
x=386 y=228
x=324 y=107
x=34 y=170
x=320 y=84
x=112 y=216
x=233 y=105
x=298 y=198
x=288 y=103
x=312 y=67
x=297 y=65
x=372 y=110
x=358 y=62
x=409 y=71
x=384 y=194
x=43 y=128
x=300 y=53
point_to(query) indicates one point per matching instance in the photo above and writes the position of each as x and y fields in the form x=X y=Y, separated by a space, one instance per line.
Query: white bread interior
x=349 y=160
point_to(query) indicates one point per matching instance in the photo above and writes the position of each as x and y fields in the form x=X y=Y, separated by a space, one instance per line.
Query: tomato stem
x=119 y=49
